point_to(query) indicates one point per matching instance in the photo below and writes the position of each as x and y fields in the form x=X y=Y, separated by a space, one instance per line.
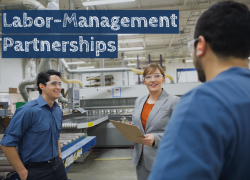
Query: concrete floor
x=102 y=170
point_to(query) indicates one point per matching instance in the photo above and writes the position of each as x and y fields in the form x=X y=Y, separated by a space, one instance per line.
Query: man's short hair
x=226 y=28
x=43 y=77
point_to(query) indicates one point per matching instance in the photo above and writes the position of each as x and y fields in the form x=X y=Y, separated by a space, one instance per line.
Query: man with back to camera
x=208 y=136
x=35 y=129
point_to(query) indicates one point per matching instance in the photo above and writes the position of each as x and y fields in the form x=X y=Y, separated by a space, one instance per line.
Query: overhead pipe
x=61 y=70
x=105 y=70
x=53 y=5
x=31 y=81
x=99 y=70
x=21 y=5
x=70 y=81
x=30 y=69
x=63 y=99
x=49 y=65
x=29 y=5
x=141 y=72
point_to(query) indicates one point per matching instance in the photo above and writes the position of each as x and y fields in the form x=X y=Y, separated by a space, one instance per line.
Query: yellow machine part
x=69 y=81
x=141 y=72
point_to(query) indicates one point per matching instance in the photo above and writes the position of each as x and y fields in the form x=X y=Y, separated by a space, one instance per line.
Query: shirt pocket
x=40 y=127
x=58 y=124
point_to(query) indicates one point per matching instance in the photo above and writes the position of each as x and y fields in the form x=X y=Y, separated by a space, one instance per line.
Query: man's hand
x=59 y=150
x=23 y=175
x=15 y=161
x=60 y=156
x=148 y=140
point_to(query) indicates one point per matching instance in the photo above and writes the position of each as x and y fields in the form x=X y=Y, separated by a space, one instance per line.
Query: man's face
x=52 y=89
x=198 y=66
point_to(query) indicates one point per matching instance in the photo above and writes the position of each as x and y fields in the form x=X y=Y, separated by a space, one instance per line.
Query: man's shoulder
x=198 y=90
x=28 y=106
x=31 y=103
x=202 y=93
x=223 y=86
x=218 y=92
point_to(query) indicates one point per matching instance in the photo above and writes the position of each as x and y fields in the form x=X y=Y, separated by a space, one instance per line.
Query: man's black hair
x=43 y=77
x=226 y=28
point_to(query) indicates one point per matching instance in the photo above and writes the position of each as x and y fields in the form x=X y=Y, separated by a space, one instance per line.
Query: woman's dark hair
x=43 y=77
x=226 y=28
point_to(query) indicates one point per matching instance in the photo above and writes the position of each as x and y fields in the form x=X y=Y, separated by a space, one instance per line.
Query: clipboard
x=130 y=132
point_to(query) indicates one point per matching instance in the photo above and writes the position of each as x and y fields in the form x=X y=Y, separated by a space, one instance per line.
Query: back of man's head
x=226 y=28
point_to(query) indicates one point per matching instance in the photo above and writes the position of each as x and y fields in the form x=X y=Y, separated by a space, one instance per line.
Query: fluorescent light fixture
x=127 y=34
x=188 y=61
x=82 y=62
x=128 y=49
x=101 y=2
x=134 y=58
x=248 y=57
x=87 y=67
x=131 y=64
x=129 y=40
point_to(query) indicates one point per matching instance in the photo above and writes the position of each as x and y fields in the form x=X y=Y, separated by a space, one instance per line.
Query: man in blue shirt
x=35 y=130
x=208 y=136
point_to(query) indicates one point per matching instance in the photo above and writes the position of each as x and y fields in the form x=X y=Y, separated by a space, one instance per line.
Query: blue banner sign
x=91 y=21
x=59 y=46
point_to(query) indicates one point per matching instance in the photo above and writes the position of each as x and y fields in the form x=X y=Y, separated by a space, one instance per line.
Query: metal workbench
x=83 y=121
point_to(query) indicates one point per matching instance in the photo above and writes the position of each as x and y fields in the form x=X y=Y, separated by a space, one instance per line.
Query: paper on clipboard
x=130 y=132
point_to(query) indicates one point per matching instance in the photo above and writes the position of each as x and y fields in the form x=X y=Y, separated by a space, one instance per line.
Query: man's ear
x=201 y=46
x=41 y=86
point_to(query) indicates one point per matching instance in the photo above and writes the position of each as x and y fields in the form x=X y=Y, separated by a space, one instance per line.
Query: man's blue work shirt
x=35 y=129
x=208 y=135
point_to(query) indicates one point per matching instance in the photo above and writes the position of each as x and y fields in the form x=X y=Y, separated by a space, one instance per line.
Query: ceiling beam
x=139 y=4
x=169 y=44
x=105 y=7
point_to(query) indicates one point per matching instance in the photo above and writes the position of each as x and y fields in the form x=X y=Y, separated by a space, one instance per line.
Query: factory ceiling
x=173 y=48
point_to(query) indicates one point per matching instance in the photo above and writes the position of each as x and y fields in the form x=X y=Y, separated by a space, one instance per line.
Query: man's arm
x=15 y=161
x=19 y=123
x=59 y=150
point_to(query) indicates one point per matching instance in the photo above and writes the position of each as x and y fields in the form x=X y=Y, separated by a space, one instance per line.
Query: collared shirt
x=35 y=130
x=208 y=135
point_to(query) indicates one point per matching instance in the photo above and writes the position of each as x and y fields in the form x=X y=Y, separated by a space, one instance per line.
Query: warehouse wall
x=11 y=72
x=184 y=76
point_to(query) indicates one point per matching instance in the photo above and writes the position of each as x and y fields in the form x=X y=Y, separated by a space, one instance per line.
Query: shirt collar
x=42 y=102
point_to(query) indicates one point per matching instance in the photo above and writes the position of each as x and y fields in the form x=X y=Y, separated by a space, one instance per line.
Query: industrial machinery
x=78 y=119
x=4 y=108
x=73 y=147
x=104 y=103
x=74 y=98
